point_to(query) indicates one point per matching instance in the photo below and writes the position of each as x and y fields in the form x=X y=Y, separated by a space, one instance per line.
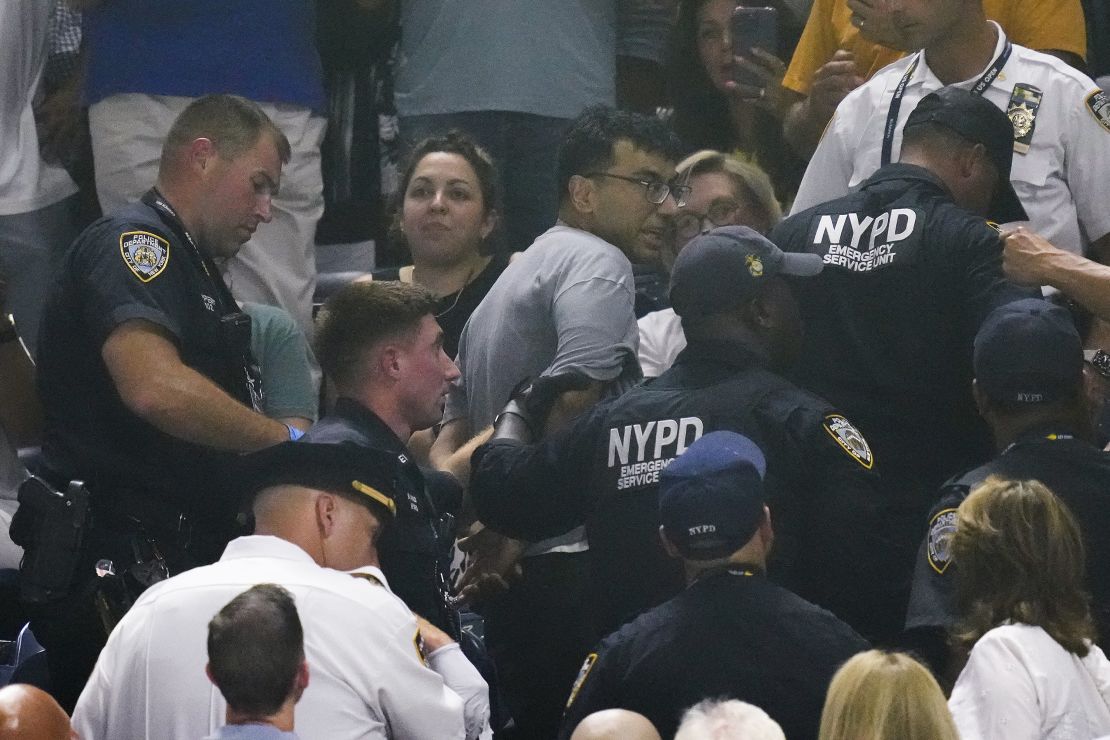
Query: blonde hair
x=747 y=177
x=878 y=695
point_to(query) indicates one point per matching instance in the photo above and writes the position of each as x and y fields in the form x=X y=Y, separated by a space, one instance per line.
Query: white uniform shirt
x=366 y=678
x=1020 y=684
x=1060 y=180
x=661 y=339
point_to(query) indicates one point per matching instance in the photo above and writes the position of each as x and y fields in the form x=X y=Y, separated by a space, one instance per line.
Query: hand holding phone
x=757 y=72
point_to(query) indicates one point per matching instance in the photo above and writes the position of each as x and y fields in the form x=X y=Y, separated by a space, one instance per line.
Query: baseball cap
x=360 y=473
x=980 y=121
x=719 y=270
x=711 y=496
x=1028 y=351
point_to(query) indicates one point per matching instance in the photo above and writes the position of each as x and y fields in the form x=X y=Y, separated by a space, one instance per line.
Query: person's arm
x=20 y=410
x=829 y=172
x=446 y=658
x=1030 y=259
x=807 y=117
x=158 y=387
x=597 y=687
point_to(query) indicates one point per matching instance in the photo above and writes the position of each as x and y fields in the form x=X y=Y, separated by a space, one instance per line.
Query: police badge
x=850 y=439
x=1099 y=105
x=1024 y=103
x=938 y=548
x=755 y=265
x=145 y=254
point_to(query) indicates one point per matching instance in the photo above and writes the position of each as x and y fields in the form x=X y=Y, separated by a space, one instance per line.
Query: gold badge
x=850 y=439
x=145 y=254
x=1022 y=111
x=755 y=265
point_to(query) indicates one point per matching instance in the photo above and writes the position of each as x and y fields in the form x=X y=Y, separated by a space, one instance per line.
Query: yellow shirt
x=1034 y=24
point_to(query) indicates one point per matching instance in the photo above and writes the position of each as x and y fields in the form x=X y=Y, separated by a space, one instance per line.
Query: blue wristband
x=294 y=433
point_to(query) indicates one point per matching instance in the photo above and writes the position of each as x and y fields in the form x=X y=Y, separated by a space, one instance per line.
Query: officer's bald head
x=615 y=724
x=29 y=713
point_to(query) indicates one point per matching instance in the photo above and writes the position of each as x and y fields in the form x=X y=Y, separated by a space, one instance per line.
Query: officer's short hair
x=360 y=316
x=255 y=650
x=714 y=718
x=588 y=145
x=233 y=125
x=934 y=136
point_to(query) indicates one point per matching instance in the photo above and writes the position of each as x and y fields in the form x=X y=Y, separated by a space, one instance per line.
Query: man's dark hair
x=255 y=650
x=934 y=137
x=233 y=125
x=588 y=145
x=361 y=315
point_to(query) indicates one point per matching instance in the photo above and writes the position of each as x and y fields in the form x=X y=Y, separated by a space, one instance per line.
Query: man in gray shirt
x=565 y=306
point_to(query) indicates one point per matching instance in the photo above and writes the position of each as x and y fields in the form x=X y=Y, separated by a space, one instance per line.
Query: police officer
x=1058 y=128
x=911 y=270
x=379 y=343
x=741 y=323
x=731 y=632
x=1029 y=387
x=146 y=379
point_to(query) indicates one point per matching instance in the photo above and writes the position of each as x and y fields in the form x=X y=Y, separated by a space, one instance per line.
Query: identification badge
x=1022 y=111
x=938 y=550
x=145 y=254
x=1098 y=103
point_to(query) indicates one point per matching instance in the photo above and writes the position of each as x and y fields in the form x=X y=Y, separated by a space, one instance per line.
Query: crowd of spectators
x=716 y=370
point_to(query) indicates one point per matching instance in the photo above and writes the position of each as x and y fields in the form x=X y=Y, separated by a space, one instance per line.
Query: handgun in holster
x=50 y=526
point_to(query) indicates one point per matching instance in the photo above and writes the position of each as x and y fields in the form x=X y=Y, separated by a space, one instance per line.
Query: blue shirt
x=264 y=50
x=251 y=732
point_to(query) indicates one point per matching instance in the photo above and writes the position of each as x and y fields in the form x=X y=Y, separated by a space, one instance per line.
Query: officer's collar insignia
x=994 y=225
x=938 y=547
x=1098 y=103
x=145 y=254
x=850 y=439
x=755 y=265
x=1022 y=110
x=587 y=666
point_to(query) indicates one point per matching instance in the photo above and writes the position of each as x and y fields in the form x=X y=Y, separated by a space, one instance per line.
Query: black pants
x=538 y=636
x=73 y=634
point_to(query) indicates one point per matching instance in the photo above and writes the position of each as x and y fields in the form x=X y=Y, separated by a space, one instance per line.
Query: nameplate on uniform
x=1022 y=111
x=863 y=243
x=1098 y=103
x=938 y=547
x=145 y=254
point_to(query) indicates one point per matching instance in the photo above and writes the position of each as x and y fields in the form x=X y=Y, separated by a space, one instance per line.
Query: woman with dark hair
x=713 y=111
x=447 y=215
x=1033 y=670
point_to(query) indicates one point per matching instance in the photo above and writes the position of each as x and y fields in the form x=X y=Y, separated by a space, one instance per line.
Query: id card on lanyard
x=978 y=88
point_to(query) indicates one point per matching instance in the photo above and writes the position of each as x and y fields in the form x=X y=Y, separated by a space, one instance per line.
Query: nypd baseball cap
x=359 y=473
x=982 y=122
x=1028 y=352
x=719 y=270
x=711 y=496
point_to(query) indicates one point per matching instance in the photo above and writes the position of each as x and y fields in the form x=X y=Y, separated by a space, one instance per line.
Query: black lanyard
x=896 y=103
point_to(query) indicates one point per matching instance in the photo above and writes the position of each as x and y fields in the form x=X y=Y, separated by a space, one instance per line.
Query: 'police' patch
x=145 y=254
x=587 y=666
x=850 y=439
x=1099 y=104
x=938 y=548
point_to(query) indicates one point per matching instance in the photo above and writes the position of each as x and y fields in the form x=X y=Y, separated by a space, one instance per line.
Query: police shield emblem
x=1098 y=103
x=583 y=673
x=850 y=439
x=145 y=254
x=938 y=547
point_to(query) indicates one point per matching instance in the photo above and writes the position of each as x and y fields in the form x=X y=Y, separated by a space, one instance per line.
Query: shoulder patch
x=938 y=547
x=418 y=643
x=145 y=254
x=587 y=666
x=1098 y=103
x=850 y=439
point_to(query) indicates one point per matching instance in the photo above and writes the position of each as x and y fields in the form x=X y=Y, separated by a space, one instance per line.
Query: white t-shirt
x=27 y=183
x=661 y=339
x=1020 y=684
x=1061 y=180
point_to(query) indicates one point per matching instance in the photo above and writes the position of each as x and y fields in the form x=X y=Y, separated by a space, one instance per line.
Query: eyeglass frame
x=680 y=192
x=735 y=206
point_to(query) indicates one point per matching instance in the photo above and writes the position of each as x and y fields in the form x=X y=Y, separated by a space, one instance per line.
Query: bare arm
x=1030 y=259
x=806 y=118
x=157 y=386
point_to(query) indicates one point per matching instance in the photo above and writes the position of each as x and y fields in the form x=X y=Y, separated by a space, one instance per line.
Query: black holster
x=50 y=526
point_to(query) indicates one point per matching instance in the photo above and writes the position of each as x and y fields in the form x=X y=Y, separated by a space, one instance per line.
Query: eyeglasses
x=721 y=213
x=655 y=190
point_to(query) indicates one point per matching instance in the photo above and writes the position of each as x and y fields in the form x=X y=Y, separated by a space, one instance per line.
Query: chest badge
x=938 y=548
x=850 y=439
x=1098 y=103
x=1025 y=101
x=145 y=254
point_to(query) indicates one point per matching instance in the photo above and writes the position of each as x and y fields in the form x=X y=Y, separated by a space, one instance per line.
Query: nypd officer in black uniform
x=731 y=633
x=148 y=386
x=1029 y=387
x=911 y=270
x=380 y=345
x=741 y=324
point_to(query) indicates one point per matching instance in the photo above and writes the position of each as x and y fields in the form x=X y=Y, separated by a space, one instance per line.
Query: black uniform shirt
x=731 y=634
x=134 y=264
x=1074 y=470
x=412 y=556
x=603 y=470
x=908 y=278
